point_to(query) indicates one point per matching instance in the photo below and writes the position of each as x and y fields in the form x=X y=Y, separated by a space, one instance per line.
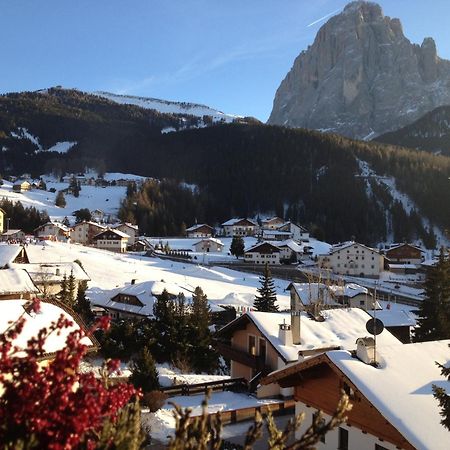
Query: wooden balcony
x=255 y=362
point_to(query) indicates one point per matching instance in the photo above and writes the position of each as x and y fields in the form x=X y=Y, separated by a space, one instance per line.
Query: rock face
x=362 y=77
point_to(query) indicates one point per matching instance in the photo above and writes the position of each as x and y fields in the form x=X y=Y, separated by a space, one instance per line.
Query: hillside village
x=325 y=297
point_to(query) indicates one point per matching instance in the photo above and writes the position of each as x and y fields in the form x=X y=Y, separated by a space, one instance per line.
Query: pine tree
x=434 y=311
x=63 y=292
x=144 y=374
x=443 y=397
x=60 y=199
x=82 y=305
x=267 y=297
x=165 y=346
x=237 y=246
x=203 y=356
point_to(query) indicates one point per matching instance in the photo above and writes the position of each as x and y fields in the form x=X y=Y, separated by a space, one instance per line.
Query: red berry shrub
x=50 y=404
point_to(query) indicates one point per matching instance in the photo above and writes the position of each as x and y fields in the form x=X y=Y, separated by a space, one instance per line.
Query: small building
x=12 y=254
x=50 y=312
x=312 y=297
x=272 y=224
x=392 y=402
x=397 y=321
x=131 y=230
x=84 y=232
x=352 y=258
x=21 y=186
x=16 y=283
x=49 y=276
x=112 y=240
x=240 y=227
x=404 y=254
x=12 y=235
x=299 y=233
x=97 y=215
x=263 y=253
x=354 y=296
x=53 y=231
x=208 y=245
x=276 y=235
x=290 y=250
x=199 y=231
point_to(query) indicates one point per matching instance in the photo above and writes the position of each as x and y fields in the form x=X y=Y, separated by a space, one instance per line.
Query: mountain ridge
x=361 y=77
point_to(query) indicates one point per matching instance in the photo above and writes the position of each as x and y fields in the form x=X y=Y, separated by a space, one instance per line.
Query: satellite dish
x=374 y=326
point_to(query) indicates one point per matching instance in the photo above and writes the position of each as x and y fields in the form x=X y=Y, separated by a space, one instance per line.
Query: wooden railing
x=199 y=388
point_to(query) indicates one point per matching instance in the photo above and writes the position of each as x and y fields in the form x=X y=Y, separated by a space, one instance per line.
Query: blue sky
x=230 y=54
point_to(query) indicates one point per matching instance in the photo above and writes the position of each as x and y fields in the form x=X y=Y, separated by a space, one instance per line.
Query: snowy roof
x=217 y=241
x=126 y=225
x=395 y=317
x=196 y=226
x=340 y=328
x=347 y=244
x=395 y=246
x=294 y=246
x=119 y=233
x=404 y=266
x=54 y=272
x=254 y=248
x=349 y=290
x=11 y=232
x=11 y=310
x=8 y=253
x=235 y=221
x=406 y=374
x=61 y=226
x=276 y=233
x=312 y=292
x=16 y=281
x=89 y=222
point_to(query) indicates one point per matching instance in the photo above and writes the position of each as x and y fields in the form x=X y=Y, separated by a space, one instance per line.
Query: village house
x=12 y=254
x=200 y=230
x=290 y=251
x=240 y=227
x=353 y=295
x=112 y=240
x=97 y=215
x=84 y=232
x=390 y=389
x=276 y=235
x=260 y=342
x=49 y=276
x=16 y=283
x=298 y=232
x=272 y=224
x=400 y=322
x=21 y=186
x=352 y=258
x=208 y=245
x=53 y=231
x=404 y=259
x=12 y=235
x=131 y=230
x=263 y=253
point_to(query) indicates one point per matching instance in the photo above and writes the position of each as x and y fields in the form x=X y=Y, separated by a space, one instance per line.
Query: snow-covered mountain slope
x=169 y=107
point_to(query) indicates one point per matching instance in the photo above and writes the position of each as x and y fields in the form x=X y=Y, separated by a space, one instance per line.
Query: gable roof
x=11 y=310
x=309 y=293
x=349 y=290
x=347 y=244
x=404 y=244
x=340 y=328
x=89 y=222
x=240 y=221
x=406 y=373
x=118 y=233
x=54 y=272
x=61 y=226
x=265 y=247
x=215 y=240
x=197 y=226
x=8 y=253
x=16 y=281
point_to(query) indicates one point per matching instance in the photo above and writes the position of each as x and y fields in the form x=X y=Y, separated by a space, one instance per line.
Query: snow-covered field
x=109 y=270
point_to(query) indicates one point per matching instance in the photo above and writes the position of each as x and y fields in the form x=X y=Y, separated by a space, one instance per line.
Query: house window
x=252 y=345
x=380 y=447
x=343 y=439
x=362 y=303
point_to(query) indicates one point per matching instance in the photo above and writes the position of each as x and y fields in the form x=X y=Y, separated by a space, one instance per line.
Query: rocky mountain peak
x=362 y=77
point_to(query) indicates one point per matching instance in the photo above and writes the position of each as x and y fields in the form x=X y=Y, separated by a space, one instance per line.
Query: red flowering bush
x=52 y=405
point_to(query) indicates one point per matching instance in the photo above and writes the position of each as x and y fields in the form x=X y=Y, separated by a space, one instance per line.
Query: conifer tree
x=434 y=311
x=443 y=398
x=203 y=356
x=144 y=374
x=165 y=327
x=82 y=305
x=237 y=246
x=60 y=199
x=267 y=297
x=63 y=291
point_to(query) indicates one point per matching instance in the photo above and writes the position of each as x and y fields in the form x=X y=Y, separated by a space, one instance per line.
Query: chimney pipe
x=133 y=281
x=295 y=317
x=284 y=333
x=365 y=350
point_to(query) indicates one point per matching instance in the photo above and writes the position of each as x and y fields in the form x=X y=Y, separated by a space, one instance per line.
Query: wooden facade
x=404 y=253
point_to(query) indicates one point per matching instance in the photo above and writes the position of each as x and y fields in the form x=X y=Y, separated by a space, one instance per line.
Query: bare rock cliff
x=362 y=77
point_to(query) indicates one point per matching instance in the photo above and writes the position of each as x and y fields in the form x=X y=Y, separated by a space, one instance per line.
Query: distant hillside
x=239 y=169
x=431 y=133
